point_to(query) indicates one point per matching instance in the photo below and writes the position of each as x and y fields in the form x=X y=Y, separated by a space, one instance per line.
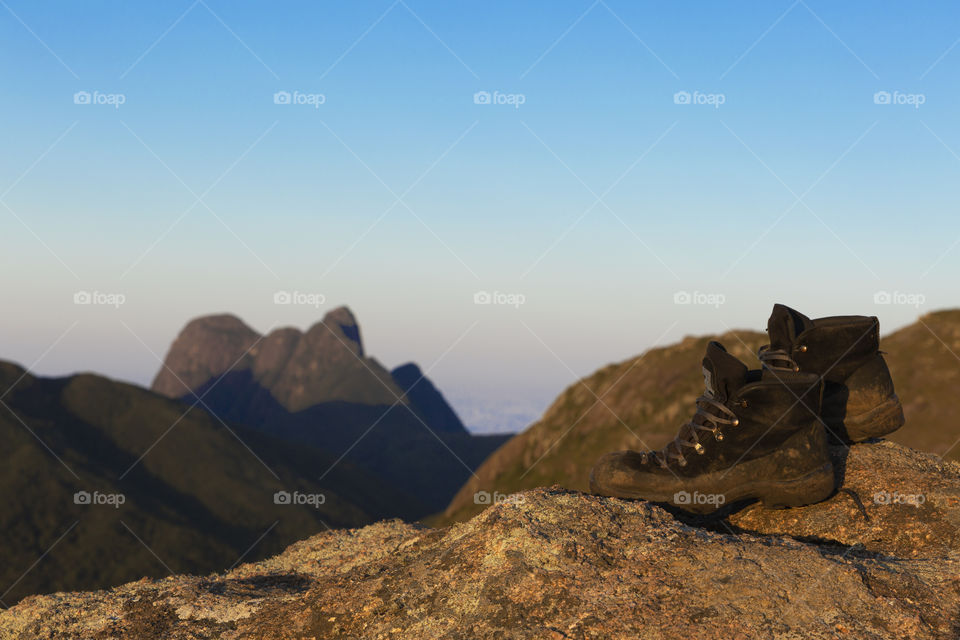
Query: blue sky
x=393 y=188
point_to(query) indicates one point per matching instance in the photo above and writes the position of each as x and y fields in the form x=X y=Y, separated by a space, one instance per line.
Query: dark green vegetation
x=199 y=498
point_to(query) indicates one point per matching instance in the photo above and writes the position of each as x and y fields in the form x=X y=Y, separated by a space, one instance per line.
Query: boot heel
x=884 y=418
x=808 y=489
x=864 y=406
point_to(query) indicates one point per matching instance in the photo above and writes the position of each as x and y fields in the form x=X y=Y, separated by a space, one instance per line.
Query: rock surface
x=892 y=500
x=553 y=563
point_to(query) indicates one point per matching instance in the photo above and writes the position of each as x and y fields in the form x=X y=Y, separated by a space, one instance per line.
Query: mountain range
x=245 y=444
x=106 y=482
x=320 y=388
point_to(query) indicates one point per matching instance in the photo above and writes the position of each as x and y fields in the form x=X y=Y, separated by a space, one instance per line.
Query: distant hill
x=643 y=401
x=320 y=388
x=199 y=499
x=924 y=359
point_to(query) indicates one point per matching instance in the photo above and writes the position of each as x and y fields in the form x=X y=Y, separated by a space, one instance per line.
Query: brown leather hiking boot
x=858 y=397
x=754 y=435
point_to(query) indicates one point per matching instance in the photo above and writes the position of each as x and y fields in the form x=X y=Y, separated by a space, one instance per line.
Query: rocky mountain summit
x=880 y=559
x=300 y=369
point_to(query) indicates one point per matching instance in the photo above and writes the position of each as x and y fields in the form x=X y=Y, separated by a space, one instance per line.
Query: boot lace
x=776 y=359
x=703 y=420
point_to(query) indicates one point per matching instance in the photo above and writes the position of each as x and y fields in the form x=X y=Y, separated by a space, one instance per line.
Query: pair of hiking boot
x=764 y=434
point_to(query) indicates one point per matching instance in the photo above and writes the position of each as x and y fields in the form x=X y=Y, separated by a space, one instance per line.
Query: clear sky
x=591 y=159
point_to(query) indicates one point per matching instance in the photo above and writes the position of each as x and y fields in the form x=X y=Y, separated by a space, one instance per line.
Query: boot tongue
x=784 y=325
x=723 y=374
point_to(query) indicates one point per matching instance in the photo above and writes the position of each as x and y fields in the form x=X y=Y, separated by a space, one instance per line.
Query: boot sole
x=809 y=488
x=885 y=418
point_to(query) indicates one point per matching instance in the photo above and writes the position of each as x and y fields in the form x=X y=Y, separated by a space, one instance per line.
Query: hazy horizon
x=471 y=404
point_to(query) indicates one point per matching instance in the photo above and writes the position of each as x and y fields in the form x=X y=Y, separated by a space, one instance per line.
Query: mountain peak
x=344 y=325
x=218 y=321
x=326 y=363
x=207 y=347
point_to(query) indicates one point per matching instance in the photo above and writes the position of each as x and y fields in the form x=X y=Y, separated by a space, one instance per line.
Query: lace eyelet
x=682 y=462
x=796 y=369
x=736 y=422
x=803 y=348
x=718 y=435
x=698 y=448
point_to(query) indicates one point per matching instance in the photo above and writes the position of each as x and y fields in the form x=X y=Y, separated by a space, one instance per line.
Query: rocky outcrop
x=892 y=500
x=426 y=399
x=290 y=370
x=554 y=563
x=299 y=369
